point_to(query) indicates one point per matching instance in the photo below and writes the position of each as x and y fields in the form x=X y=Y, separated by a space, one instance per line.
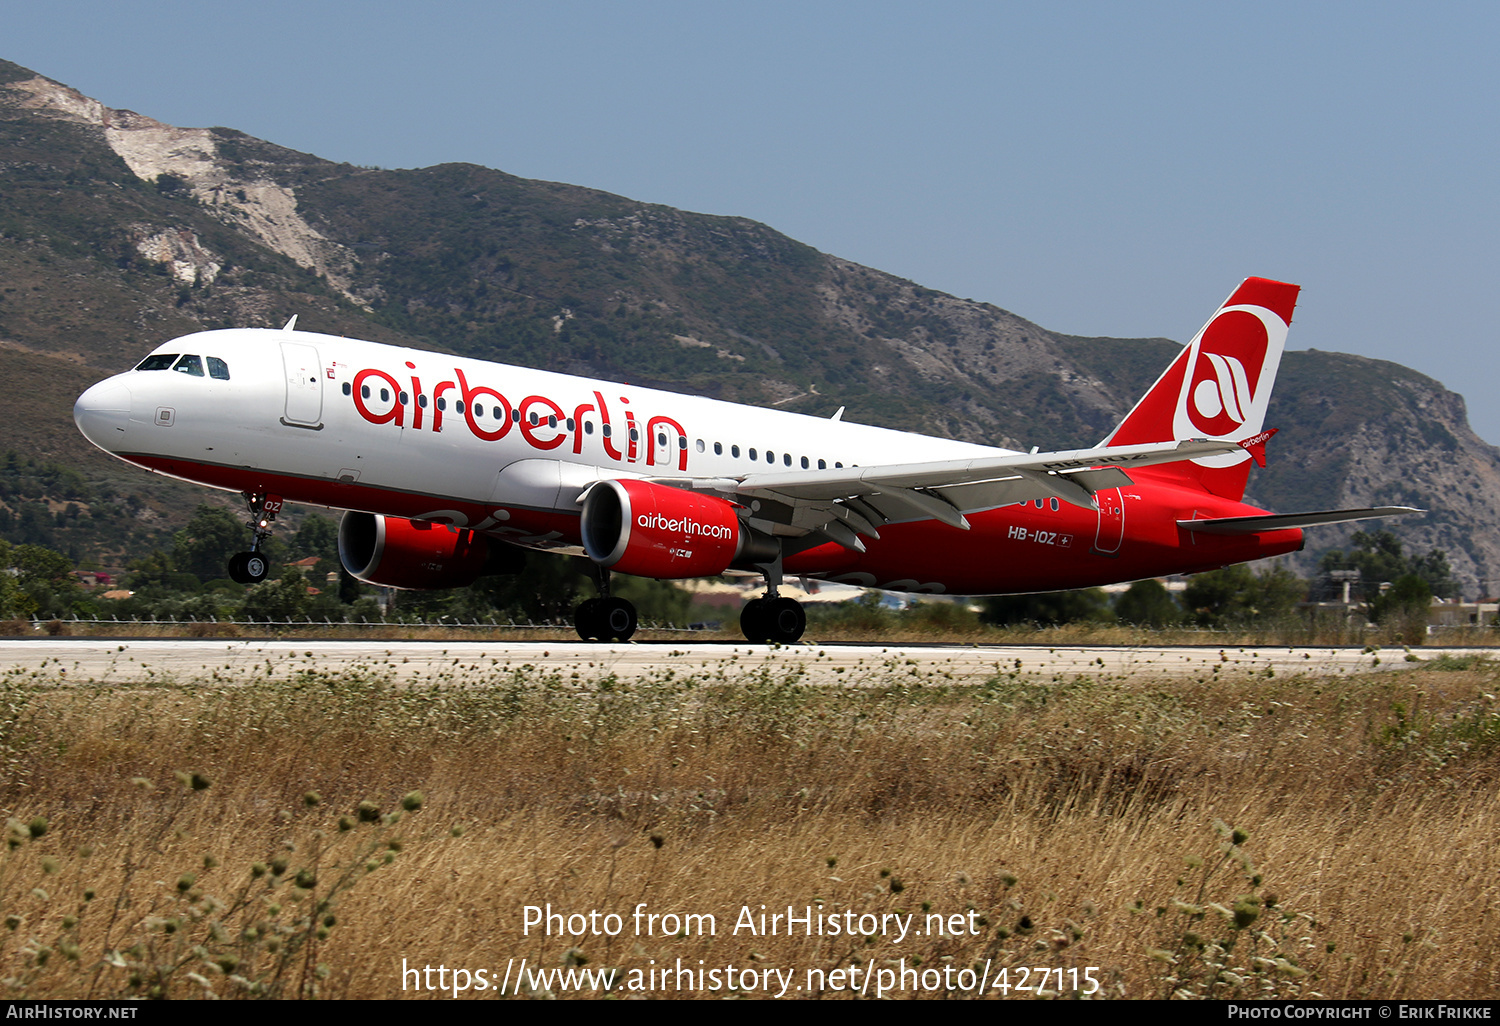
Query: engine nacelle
x=413 y=554
x=651 y=530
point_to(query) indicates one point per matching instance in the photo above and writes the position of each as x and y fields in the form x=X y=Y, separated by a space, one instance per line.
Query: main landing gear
x=605 y=618
x=773 y=618
x=251 y=567
x=779 y=620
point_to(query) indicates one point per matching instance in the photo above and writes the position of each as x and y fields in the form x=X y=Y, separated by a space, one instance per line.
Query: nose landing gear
x=251 y=567
x=247 y=568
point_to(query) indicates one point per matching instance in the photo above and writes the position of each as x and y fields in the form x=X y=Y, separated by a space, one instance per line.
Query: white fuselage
x=350 y=424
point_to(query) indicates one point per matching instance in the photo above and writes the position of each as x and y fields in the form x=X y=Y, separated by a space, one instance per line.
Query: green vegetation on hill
x=94 y=524
x=559 y=276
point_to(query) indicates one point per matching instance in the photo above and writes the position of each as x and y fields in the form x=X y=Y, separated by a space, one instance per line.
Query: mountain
x=118 y=231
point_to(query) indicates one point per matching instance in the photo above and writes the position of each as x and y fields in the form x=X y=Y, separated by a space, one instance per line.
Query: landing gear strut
x=604 y=618
x=251 y=567
x=773 y=618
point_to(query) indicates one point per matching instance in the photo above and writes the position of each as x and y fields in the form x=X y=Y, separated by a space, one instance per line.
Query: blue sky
x=1102 y=169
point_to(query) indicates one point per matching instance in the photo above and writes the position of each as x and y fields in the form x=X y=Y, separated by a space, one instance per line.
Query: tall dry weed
x=1062 y=830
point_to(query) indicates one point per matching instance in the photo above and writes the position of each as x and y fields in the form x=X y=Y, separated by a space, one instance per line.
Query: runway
x=224 y=661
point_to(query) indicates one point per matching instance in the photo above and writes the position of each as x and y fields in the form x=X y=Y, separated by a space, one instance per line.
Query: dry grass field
x=1135 y=836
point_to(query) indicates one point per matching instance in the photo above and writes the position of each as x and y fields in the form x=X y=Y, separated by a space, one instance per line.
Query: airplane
x=447 y=467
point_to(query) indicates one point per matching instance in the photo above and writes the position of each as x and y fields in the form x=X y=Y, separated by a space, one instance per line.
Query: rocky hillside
x=117 y=231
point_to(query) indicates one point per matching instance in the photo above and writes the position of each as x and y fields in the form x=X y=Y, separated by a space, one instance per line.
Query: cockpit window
x=157 y=361
x=190 y=365
x=217 y=368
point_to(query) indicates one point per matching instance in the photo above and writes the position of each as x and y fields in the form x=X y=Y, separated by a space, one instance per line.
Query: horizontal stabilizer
x=1286 y=521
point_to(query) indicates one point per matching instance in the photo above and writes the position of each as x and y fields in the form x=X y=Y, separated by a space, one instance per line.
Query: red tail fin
x=1218 y=387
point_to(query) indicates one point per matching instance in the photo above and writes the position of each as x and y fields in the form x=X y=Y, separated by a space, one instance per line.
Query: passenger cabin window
x=190 y=365
x=217 y=368
x=160 y=361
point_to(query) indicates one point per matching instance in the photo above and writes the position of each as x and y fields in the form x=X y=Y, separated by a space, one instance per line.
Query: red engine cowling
x=397 y=553
x=652 y=530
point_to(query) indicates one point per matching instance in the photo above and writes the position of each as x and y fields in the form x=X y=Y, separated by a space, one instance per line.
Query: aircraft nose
x=103 y=413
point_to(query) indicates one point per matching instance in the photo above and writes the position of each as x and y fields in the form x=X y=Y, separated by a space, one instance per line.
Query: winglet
x=291 y=325
x=1256 y=446
x=838 y=414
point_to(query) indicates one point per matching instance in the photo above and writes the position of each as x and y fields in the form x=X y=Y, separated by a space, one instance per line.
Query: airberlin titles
x=541 y=420
x=686 y=525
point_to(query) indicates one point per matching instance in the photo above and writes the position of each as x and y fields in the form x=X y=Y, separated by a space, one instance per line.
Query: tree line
x=188 y=581
x=1392 y=584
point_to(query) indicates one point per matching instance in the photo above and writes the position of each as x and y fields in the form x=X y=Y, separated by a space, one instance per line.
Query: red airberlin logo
x=1222 y=390
x=545 y=424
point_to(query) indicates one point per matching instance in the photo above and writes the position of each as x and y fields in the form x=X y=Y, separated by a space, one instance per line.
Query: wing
x=840 y=505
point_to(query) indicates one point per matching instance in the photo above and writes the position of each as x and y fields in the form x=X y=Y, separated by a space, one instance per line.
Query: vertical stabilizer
x=1218 y=387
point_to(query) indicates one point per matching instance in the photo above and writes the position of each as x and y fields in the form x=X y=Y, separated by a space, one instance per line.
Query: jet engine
x=651 y=530
x=413 y=554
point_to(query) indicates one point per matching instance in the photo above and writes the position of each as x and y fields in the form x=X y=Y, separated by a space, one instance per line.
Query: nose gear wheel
x=252 y=567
